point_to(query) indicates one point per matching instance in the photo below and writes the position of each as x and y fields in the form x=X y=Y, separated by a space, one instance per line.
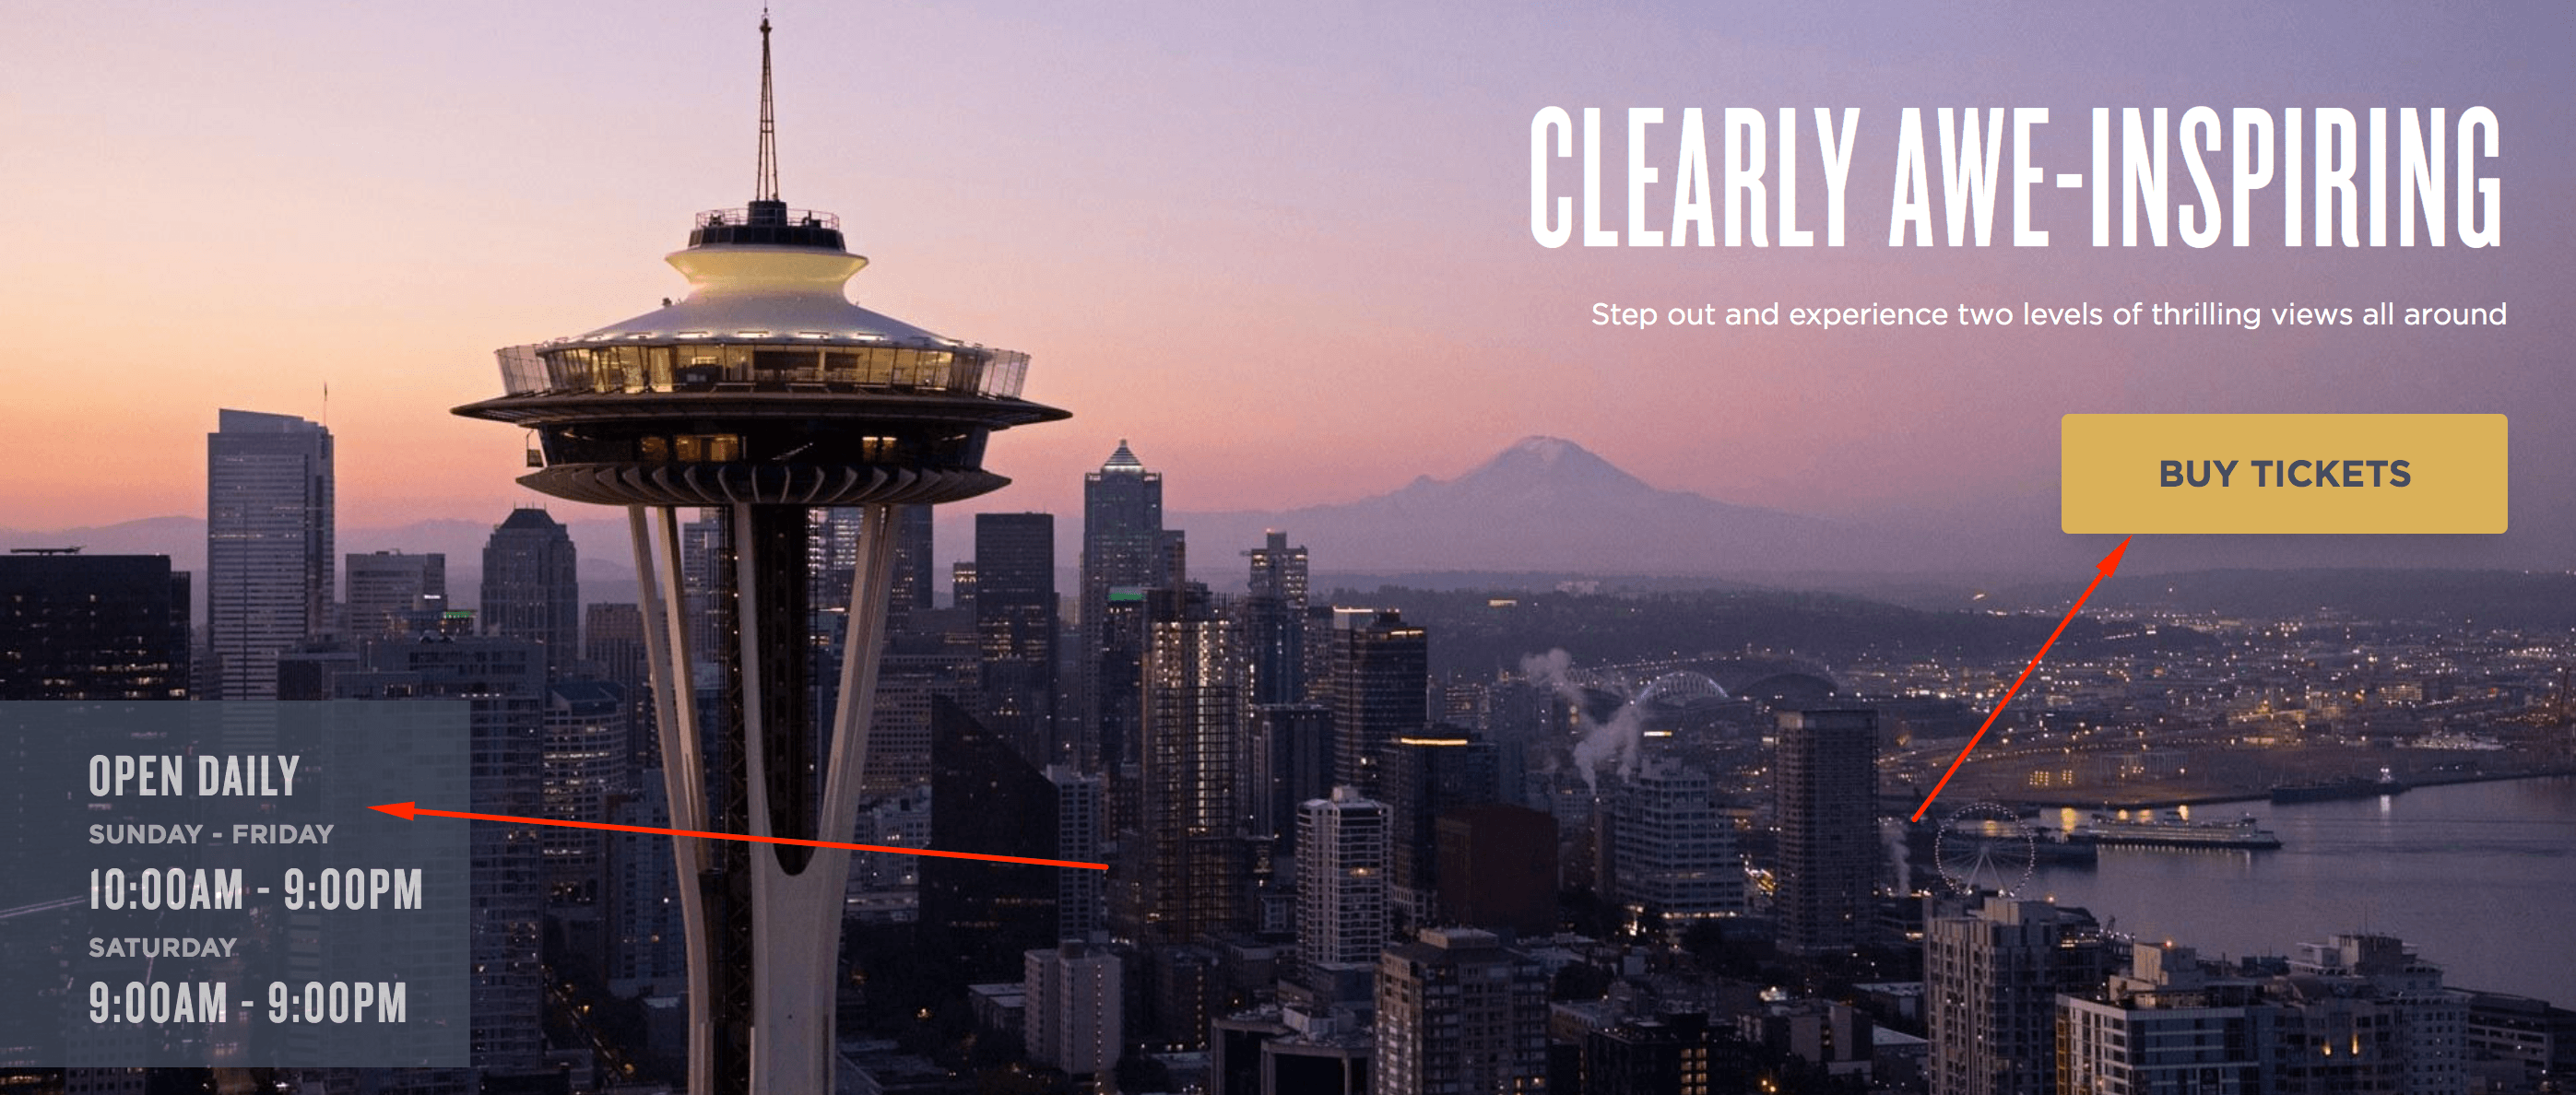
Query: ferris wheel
x=1985 y=847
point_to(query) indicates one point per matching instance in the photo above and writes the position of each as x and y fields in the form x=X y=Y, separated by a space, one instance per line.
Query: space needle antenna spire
x=766 y=189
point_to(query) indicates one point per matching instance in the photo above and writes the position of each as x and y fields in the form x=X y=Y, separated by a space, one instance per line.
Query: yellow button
x=2274 y=473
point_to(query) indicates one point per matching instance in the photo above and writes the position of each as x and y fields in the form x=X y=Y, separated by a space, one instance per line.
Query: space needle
x=762 y=393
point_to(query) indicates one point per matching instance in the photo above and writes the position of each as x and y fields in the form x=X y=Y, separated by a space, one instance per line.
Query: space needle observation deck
x=764 y=385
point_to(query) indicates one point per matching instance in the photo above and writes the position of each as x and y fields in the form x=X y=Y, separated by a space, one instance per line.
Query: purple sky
x=1283 y=248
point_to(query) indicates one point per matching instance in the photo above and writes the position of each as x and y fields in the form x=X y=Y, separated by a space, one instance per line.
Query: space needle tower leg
x=796 y=892
x=766 y=945
x=660 y=595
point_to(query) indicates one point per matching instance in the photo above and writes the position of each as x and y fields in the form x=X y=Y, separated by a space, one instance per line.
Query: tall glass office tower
x=268 y=545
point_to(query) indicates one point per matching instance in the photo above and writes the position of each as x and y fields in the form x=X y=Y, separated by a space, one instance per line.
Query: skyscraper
x=644 y=941
x=532 y=586
x=1826 y=780
x=505 y=682
x=987 y=798
x=1015 y=621
x=92 y=627
x=1288 y=761
x=912 y=564
x=386 y=586
x=585 y=734
x=706 y=553
x=1341 y=879
x=1279 y=570
x=268 y=545
x=1456 y=1012
x=915 y=670
x=835 y=554
x=1429 y=773
x=612 y=641
x=1274 y=621
x=1381 y=677
x=762 y=394
x=1498 y=867
x=1122 y=548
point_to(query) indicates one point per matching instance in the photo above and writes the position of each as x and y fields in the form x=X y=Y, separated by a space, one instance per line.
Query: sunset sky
x=1284 y=248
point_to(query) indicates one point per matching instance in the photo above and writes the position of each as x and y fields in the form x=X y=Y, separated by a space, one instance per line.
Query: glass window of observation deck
x=697 y=366
x=790 y=363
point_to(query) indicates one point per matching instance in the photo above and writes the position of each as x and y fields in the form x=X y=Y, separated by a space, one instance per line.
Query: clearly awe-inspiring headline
x=2337 y=177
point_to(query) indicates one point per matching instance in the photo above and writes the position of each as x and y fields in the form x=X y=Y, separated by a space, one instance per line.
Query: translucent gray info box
x=203 y=884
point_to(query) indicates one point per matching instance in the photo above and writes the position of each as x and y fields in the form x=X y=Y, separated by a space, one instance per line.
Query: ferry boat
x=2347 y=787
x=2168 y=829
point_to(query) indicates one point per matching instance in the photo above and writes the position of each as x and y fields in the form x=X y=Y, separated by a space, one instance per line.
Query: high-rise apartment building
x=2429 y=1022
x=834 y=555
x=1073 y=996
x=1991 y=977
x=269 y=532
x=1079 y=830
x=2358 y=1014
x=1341 y=879
x=1192 y=734
x=1826 y=780
x=912 y=564
x=1459 y=1012
x=644 y=940
x=2166 y=1025
x=916 y=669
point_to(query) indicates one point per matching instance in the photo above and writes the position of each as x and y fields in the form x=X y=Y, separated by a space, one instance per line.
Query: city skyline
x=1445 y=331
x=1414 y=757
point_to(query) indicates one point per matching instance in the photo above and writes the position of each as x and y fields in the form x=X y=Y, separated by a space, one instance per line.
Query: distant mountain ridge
x=1545 y=503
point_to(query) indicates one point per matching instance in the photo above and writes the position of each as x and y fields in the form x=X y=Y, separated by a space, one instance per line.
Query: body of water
x=2479 y=878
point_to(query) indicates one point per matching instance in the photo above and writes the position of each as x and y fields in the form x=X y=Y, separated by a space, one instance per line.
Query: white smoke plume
x=1617 y=744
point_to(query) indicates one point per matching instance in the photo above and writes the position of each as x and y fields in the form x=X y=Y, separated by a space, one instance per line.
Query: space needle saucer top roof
x=763 y=272
x=764 y=383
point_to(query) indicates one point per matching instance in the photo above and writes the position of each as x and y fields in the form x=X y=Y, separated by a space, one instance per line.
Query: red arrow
x=406 y=811
x=2101 y=570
